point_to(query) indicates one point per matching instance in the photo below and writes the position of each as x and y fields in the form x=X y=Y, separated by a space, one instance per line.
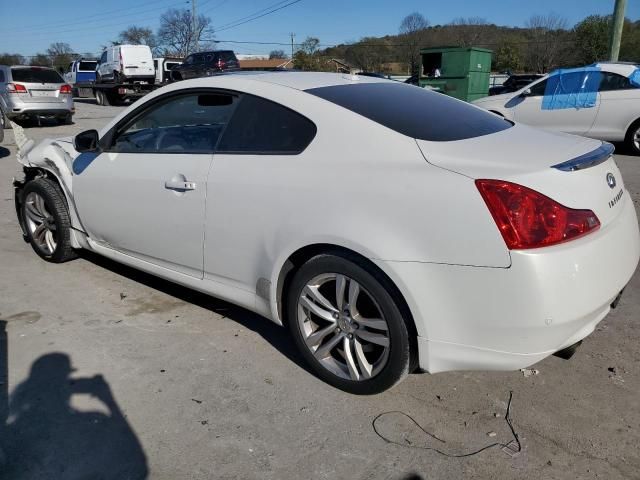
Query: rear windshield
x=35 y=75
x=87 y=66
x=414 y=111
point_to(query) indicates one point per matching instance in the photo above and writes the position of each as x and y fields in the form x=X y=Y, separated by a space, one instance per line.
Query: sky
x=29 y=26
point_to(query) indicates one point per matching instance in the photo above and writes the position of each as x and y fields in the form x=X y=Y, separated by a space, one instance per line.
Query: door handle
x=180 y=185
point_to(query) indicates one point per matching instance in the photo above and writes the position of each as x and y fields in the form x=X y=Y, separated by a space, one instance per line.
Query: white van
x=122 y=63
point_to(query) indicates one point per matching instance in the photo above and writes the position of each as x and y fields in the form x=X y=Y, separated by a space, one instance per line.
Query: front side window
x=103 y=58
x=188 y=60
x=262 y=127
x=189 y=123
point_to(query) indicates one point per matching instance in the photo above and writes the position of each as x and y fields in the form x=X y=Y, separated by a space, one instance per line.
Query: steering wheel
x=162 y=135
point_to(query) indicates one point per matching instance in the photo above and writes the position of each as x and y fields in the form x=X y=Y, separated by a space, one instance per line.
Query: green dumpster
x=464 y=71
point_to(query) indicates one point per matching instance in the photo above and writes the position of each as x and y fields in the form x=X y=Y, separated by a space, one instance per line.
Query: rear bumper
x=26 y=109
x=475 y=318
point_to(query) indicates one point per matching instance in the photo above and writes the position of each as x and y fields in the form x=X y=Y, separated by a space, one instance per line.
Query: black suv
x=514 y=83
x=204 y=64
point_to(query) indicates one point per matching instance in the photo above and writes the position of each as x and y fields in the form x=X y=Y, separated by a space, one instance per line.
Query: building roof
x=269 y=63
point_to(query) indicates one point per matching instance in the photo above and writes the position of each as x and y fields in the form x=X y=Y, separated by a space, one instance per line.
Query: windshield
x=414 y=111
x=87 y=66
x=35 y=75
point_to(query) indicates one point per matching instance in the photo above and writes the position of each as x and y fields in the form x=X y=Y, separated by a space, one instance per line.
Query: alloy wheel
x=40 y=223
x=636 y=139
x=343 y=327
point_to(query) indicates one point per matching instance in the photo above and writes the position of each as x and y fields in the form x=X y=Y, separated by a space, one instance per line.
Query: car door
x=619 y=106
x=251 y=163
x=533 y=108
x=144 y=194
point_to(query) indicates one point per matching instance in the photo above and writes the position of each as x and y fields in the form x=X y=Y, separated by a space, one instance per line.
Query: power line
x=101 y=15
x=252 y=14
x=259 y=16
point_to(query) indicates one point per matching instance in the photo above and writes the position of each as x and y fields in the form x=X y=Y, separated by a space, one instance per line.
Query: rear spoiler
x=590 y=159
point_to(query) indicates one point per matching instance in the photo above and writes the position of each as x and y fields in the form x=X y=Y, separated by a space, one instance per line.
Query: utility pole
x=617 y=22
x=293 y=35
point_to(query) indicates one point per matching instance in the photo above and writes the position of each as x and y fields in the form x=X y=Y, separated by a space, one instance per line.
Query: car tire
x=102 y=98
x=363 y=348
x=66 y=120
x=632 y=139
x=4 y=121
x=46 y=220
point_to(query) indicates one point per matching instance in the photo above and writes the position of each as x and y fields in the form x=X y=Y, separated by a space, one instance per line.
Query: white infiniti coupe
x=387 y=226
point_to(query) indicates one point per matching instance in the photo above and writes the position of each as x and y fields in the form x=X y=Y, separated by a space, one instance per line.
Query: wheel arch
x=287 y=269
x=34 y=172
x=630 y=127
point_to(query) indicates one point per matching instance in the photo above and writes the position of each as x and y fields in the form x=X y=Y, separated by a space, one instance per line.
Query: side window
x=260 y=126
x=189 y=123
x=538 y=89
x=103 y=58
x=188 y=60
x=2 y=80
x=613 y=81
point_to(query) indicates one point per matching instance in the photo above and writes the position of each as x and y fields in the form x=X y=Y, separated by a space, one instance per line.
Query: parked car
x=126 y=63
x=81 y=71
x=451 y=239
x=204 y=64
x=163 y=67
x=600 y=101
x=34 y=93
x=514 y=83
x=413 y=80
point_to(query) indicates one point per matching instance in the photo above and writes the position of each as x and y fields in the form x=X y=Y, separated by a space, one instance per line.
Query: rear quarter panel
x=618 y=110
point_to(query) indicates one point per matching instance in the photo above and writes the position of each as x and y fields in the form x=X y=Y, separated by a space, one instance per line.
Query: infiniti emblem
x=611 y=180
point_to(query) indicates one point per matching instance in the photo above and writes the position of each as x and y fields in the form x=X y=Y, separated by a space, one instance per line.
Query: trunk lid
x=540 y=161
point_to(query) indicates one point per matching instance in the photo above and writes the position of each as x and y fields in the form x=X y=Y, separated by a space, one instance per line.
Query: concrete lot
x=182 y=385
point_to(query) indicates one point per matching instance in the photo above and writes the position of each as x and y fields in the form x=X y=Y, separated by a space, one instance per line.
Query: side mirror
x=87 y=141
x=526 y=93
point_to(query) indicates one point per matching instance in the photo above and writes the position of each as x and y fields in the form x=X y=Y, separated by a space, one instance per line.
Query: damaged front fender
x=52 y=158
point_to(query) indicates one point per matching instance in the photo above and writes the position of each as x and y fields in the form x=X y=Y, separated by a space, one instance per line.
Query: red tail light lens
x=528 y=219
x=220 y=63
x=65 y=90
x=16 y=88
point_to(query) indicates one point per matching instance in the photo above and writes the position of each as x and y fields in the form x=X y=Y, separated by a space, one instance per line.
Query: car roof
x=308 y=80
x=624 y=69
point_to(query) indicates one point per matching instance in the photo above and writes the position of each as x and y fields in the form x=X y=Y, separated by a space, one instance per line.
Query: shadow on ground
x=277 y=336
x=4 y=152
x=43 y=436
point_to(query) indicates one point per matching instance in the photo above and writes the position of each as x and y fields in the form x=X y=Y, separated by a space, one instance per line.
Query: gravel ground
x=172 y=384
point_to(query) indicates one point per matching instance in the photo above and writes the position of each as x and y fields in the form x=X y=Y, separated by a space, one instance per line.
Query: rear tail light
x=528 y=219
x=65 y=90
x=220 y=63
x=16 y=88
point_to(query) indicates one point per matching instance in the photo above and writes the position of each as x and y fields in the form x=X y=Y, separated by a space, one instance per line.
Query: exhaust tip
x=567 y=353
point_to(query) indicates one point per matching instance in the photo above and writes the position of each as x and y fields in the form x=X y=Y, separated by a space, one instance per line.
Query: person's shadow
x=44 y=437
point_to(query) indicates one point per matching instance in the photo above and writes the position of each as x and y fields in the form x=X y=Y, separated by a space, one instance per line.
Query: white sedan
x=389 y=227
x=600 y=101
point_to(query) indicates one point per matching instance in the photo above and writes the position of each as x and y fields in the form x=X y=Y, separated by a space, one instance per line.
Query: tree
x=369 y=54
x=138 y=36
x=507 y=57
x=11 y=59
x=60 y=54
x=277 y=54
x=468 y=31
x=545 y=49
x=412 y=30
x=592 y=38
x=310 y=45
x=40 y=60
x=177 y=35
